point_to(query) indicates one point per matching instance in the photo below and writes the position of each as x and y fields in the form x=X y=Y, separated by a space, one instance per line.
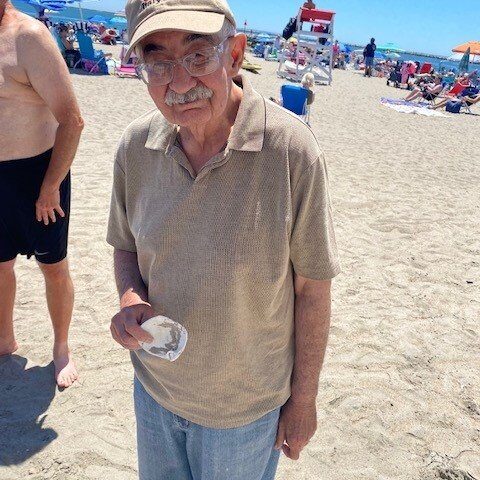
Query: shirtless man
x=40 y=127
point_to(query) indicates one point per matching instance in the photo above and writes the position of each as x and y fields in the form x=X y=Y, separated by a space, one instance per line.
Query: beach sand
x=400 y=394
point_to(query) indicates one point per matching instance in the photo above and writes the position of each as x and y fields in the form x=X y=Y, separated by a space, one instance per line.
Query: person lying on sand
x=38 y=142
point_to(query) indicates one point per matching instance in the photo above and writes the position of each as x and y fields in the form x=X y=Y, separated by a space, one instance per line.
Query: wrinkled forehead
x=174 y=42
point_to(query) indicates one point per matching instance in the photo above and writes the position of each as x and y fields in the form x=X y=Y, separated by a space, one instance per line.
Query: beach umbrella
x=263 y=38
x=474 y=48
x=118 y=21
x=98 y=19
x=42 y=5
x=390 y=47
x=392 y=55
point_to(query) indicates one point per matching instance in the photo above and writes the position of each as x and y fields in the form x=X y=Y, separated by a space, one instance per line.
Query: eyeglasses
x=197 y=64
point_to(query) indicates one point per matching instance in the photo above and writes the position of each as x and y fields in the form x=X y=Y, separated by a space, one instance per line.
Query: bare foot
x=7 y=347
x=65 y=369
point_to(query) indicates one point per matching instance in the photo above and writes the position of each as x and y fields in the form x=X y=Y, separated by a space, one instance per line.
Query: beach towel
x=417 y=108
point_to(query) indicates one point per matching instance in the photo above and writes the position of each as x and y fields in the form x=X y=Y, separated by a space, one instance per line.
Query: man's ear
x=237 y=53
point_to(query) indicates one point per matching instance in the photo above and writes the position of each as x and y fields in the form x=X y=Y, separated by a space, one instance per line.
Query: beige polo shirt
x=217 y=252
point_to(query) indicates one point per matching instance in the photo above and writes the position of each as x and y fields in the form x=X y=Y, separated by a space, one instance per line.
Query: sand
x=399 y=396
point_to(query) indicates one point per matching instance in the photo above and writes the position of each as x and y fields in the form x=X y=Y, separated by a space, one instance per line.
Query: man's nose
x=182 y=81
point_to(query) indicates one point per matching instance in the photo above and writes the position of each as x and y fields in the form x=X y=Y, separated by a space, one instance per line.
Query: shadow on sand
x=25 y=394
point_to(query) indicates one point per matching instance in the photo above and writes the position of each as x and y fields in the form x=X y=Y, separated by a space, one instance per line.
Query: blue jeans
x=172 y=448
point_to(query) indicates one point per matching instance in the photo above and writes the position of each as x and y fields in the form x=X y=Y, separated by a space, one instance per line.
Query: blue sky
x=430 y=26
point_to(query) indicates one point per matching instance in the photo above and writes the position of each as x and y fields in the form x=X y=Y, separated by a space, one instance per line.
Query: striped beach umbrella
x=42 y=5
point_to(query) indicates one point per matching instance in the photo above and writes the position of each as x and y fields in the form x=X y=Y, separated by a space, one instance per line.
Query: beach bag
x=453 y=106
x=470 y=92
x=290 y=29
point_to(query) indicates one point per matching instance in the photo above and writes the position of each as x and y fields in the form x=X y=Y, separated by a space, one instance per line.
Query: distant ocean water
x=72 y=14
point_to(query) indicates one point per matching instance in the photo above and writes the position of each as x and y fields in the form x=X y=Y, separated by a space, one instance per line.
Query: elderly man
x=220 y=220
x=40 y=127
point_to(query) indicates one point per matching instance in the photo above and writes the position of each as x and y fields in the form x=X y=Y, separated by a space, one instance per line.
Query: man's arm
x=49 y=76
x=135 y=309
x=312 y=325
x=298 y=421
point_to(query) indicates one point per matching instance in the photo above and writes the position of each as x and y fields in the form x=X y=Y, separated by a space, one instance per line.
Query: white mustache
x=198 y=93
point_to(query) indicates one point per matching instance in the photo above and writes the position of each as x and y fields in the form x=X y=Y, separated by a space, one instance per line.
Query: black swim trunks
x=20 y=232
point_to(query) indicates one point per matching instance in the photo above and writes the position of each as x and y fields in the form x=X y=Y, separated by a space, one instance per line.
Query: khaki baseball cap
x=198 y=16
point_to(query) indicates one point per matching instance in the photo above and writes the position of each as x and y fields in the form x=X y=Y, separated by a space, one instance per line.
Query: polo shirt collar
x=247 y=134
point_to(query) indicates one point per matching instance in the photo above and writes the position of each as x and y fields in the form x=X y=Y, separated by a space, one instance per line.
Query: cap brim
x=206 y=23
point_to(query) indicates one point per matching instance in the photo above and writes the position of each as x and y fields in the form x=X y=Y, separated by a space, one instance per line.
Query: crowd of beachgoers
x=448 y=88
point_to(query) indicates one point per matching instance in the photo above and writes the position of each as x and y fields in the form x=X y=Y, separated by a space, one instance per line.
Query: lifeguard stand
x=314 y=51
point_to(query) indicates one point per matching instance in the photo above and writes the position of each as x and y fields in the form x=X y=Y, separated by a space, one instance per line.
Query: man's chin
x=192 y=115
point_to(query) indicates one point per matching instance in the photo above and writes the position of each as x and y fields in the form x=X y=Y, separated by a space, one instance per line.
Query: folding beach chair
x=126 y=69
x=425 y=68
x=93 y=61
x=294 y=98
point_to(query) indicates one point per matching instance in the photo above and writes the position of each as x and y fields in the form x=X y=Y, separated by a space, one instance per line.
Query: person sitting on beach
x=71 y=54
x=307 y=82
x=38 y=142
x=469 y=96
x=428 y=91
x=65 y=37
x=199 y=237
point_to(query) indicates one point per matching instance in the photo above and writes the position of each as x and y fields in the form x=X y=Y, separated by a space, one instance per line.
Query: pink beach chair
x=126 y=69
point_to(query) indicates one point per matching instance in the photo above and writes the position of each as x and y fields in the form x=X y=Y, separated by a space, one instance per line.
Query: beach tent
x=474 y=50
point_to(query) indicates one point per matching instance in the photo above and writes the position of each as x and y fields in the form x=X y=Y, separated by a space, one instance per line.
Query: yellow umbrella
x=292 y=40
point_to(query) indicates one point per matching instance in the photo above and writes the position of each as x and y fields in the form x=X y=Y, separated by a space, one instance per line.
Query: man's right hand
x=126 y=329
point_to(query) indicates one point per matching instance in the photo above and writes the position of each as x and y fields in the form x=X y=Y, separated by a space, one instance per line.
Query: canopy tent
x=390 y=47
x=474 y=50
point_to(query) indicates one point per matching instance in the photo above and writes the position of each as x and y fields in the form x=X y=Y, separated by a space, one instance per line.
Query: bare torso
x=27 y=126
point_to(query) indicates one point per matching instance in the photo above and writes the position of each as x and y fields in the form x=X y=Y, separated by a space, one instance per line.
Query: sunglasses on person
x=197 y=64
